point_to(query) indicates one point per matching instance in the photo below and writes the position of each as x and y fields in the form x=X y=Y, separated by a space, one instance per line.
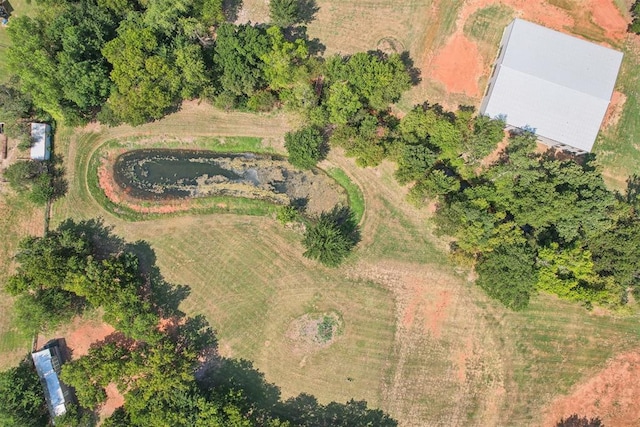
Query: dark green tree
x=305 y=147
x=284 y=13
x=238 y=54
x=509 y=275
x=332 y=237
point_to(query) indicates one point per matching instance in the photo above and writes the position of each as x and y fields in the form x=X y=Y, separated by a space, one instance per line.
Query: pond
x=161 y=174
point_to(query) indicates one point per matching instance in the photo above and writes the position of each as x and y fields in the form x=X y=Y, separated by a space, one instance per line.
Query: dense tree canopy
x=22 y=403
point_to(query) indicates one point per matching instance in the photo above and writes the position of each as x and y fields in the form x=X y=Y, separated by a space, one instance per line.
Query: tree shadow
x=231 y=9
x=104 y=242
x=304 y=410
x=316 y=47
x=164 y=295
x=631 y=195
x=58 y=181
x=231 y=375
x=307 y=10
x=344 y=218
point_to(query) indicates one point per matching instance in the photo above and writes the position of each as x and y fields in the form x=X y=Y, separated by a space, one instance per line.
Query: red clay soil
x=607 y=16
x=458 y=65
x=613 y=395
x=79 y=335
x=85 y=334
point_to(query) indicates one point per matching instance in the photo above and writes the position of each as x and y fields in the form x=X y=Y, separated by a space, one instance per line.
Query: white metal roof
x=40 y=150
x=557 y=84
x=44 y=365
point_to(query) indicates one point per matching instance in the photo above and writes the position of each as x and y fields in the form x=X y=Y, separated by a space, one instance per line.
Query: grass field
x=617 y=147
x=419 y=340
x=18 y=219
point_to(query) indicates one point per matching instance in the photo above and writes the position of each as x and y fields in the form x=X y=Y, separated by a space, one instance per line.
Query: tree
x=571 y=275
x=343 y=103
x=147 y=82
x=508 y=274
x=22 y=403
x=284 y=13
x=577 y=421
x=304 y=147
x=21 y=174
x=284 y=62
x=615 y=253
x=332 y=237
x=237 y=56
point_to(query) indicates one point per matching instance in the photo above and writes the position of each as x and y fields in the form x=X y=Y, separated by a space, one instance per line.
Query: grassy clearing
x=555 y=345
x=617 y=147
x=354 y=194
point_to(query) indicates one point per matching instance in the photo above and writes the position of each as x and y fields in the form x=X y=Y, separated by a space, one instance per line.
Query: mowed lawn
x=618 y=146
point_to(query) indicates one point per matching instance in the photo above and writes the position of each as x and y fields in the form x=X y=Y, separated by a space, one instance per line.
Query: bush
x=261 y=102
x=287 y=214
x=305 y=147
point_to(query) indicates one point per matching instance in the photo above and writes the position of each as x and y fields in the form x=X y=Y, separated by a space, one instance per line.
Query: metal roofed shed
x=41 y=138
x=556 y=84
x=47 y=362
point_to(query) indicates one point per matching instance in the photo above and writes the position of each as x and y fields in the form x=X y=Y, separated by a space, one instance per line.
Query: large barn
x=555 y=84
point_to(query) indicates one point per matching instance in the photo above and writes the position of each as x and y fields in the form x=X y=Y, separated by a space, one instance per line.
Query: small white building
x=48 y=362
x=41 y=141
x=558 y=85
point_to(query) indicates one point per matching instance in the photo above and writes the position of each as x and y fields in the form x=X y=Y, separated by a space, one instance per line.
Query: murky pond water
x=155 y=174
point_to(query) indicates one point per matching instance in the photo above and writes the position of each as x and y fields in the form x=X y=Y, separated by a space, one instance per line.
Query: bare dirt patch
x=115 y=399
x=612 y=395
x=79 y=335
x=458 y=65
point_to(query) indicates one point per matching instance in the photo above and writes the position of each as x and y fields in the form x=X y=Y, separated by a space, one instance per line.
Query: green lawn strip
x=617 y=148
x=487 y=24
x=356 y=199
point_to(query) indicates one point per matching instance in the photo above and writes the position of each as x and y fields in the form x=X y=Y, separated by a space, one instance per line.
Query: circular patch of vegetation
x=316 y=329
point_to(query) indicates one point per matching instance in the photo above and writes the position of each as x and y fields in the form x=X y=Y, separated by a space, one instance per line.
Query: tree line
x=135 y=61
x=527 y=221
x=163 y=362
